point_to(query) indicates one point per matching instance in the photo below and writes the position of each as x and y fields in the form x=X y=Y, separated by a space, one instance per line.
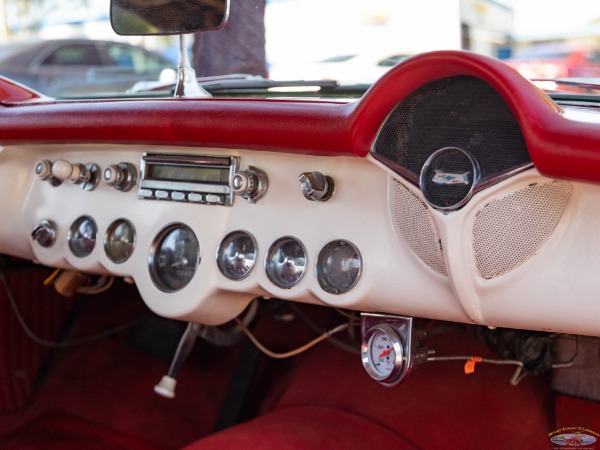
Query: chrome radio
x=187 y=178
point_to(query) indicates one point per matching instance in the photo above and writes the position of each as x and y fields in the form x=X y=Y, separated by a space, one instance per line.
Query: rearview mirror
x=158 y=17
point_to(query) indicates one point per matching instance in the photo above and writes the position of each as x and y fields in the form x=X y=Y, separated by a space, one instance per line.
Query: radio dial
x=250 y=184
x=121 y=176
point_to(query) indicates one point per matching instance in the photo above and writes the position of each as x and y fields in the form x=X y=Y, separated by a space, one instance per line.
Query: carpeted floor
x=100 y=394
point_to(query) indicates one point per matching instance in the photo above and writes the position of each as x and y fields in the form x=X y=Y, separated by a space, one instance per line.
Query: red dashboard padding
x=559 y=147
x=305 y=428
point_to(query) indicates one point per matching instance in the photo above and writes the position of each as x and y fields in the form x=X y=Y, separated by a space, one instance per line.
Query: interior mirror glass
x=151 y=17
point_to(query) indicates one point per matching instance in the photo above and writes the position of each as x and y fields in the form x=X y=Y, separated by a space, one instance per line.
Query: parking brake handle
x=167 y=384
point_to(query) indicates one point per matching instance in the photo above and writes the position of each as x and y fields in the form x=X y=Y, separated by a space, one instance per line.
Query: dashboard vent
x=463 y=112
x=411 y=218
x=508 y=231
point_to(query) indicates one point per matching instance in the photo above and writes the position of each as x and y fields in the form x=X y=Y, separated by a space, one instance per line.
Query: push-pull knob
x=44 y=233
x=64 y=170
x=316 y=186
x=84 y=175
x=43 y=169
x=121 y=176
x=250 y=184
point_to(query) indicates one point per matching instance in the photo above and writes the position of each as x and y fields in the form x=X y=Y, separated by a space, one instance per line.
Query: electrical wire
x=352 y=322
x=62 y=344
x=516 y=378
x=104 y=284
x=569 y=363
x=291 y=353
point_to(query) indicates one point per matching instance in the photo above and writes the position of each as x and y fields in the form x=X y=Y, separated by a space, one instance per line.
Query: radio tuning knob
x=44 y=233
x=316 y=186
x=121 y=176
x=250 y=184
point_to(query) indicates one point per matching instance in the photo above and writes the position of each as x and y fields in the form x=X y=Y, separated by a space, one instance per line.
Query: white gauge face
x=382 y=353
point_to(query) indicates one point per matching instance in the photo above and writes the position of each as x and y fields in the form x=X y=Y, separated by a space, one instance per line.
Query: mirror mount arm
x=187 y=84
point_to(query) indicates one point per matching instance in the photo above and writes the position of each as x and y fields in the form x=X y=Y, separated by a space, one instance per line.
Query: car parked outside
x=348 y=69
x=551 y=61
x=70 y=67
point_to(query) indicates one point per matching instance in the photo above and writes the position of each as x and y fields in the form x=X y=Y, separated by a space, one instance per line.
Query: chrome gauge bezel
x=73 y=235
x=108 y=239
x=270 y=262
x=155 y=247
x=221 y=253
x=325 y=284
x=368 y=360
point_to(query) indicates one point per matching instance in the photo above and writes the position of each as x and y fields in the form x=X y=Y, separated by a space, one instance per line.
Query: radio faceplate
x=187 y=178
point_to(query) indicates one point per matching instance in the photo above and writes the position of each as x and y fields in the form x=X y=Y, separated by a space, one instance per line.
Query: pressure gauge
x=382 y=353
x=286 y=262
x=237 y=254
x=174 y=257
x=119 y=241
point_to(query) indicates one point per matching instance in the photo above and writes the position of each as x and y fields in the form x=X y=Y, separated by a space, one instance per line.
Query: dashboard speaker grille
x=411 y=218
x=461 y=111
x=508 y=231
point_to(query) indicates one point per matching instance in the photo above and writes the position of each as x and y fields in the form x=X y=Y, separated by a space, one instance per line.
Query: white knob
x=62 y=169
x=111 y=174
x=166 y=387
x=43 y=169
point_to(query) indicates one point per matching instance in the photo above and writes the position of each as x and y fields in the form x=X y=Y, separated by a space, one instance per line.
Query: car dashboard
x=453 y=189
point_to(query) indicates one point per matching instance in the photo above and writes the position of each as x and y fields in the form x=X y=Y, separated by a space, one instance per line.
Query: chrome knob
x=250 y=184
x=43 y=169
x=316 y=186
x=44 y=233
x=121 y=176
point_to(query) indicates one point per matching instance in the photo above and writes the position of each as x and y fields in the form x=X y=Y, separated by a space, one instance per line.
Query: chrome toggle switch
x=316 y=186
x=121 y=176
x=44 y=233
x=250 y=184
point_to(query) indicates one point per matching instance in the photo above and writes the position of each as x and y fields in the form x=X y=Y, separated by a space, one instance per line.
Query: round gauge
x=82 y=236
x=286 y=262
x=174 y=257
x=339 y=266
x=382 y=353
x=119 y=241
x=237 y=254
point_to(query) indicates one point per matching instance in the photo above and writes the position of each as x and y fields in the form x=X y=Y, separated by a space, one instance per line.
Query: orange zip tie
x=470 y=364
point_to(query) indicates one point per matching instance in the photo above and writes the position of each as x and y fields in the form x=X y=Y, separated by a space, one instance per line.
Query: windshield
x=67 y=49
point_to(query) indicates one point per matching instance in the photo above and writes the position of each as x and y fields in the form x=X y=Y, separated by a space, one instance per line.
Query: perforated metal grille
x=461 y=111
x=508 y=231
x=411 y=217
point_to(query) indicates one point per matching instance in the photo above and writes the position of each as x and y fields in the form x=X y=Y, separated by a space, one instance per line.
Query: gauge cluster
x=285 y=226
